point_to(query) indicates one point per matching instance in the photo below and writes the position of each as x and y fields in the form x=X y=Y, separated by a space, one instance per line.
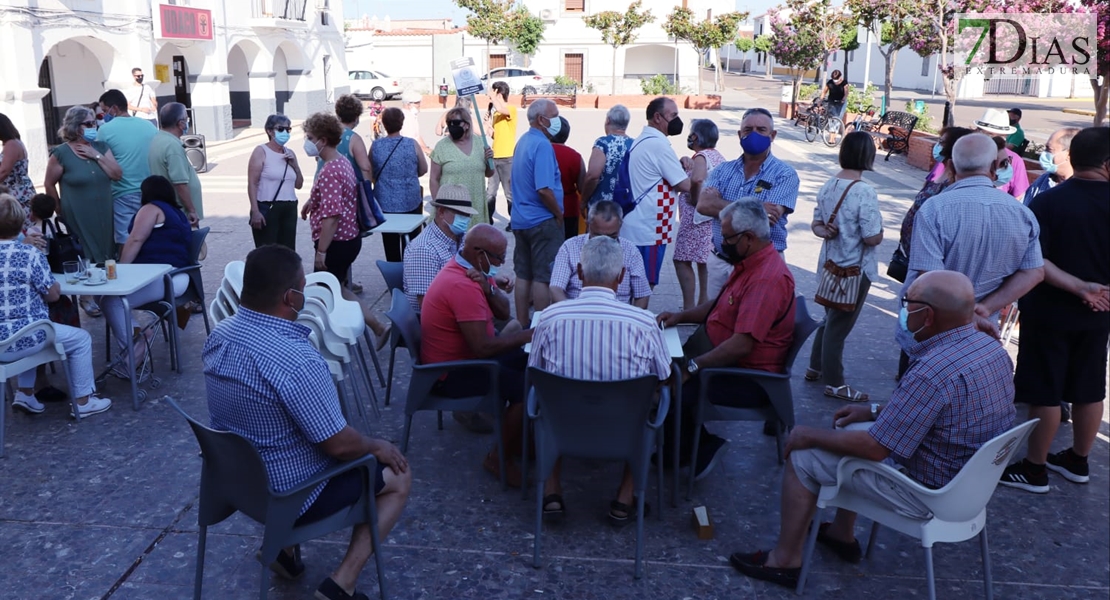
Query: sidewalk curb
x=1078 y=111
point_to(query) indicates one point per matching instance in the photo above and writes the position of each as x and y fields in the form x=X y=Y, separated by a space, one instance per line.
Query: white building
x=420 y=56
x=234 y=67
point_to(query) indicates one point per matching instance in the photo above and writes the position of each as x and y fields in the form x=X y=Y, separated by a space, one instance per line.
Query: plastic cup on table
x=72 y=268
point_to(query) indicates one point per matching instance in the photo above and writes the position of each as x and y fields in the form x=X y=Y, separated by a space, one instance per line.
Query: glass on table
x=72 y=270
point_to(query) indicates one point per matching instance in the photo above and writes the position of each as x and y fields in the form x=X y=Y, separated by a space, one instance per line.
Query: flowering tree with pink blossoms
x=794 y=46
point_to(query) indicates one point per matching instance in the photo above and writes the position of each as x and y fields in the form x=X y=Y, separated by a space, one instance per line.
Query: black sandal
x=618 y=520
x=554 y=514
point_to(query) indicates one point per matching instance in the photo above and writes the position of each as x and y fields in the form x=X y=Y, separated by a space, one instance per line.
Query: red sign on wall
x=184 y=23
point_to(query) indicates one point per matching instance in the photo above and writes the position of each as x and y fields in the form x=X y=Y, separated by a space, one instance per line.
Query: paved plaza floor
x=107 y=508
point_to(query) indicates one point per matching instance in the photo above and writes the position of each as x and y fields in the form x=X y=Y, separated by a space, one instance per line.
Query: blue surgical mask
x=755 y=143
x=1004 y=176
x=459 y=224
x=281 y=137
x=936 y=152
x=185 y=129
x=555 y=126
x=89 y=134
x=906 y=338
x=492 y=272
x=1048 y=164
x=303 y=300
x=108 y=117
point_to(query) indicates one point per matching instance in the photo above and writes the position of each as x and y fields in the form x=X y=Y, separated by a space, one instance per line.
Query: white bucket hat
x=414 y=98
x=996 y=122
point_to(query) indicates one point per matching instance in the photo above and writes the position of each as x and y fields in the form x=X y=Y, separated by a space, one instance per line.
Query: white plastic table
x=129 y=279
x=402 y=223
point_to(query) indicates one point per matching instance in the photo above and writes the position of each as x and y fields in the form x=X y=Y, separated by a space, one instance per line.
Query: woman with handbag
x=273 y=178
x=398 y=164
x=847 y=218
x=464 y=159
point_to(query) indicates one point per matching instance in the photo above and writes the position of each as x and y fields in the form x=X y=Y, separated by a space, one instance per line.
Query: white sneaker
x=93 y=406
x=27 y=403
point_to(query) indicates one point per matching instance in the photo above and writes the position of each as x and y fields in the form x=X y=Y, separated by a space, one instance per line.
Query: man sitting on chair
x=457 y=324
x=605 y=219
x=598 y=337
x=267 y=383
x=426 y=255
x=957 y=395
x=750 y=325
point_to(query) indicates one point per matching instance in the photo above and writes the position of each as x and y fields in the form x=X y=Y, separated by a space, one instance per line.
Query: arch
x=649 y=60
x=242 y=58
x=289 y=65
x=75 y=70
x=171 y=91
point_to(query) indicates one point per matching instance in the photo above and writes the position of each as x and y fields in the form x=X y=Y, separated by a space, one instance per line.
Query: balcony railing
x=289 y=10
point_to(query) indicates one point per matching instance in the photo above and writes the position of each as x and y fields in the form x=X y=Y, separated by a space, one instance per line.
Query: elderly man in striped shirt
x=596 y=337
x=605 y=219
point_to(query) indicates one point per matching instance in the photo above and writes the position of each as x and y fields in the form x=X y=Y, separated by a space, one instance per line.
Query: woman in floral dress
x=13 y=164
x=695 y=235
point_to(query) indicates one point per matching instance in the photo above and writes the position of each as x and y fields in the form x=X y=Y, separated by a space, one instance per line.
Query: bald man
x=935 y=421
x=456 y=323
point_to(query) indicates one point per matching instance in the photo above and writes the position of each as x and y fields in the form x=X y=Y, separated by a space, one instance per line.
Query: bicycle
x=864 y=121
x=818 y=122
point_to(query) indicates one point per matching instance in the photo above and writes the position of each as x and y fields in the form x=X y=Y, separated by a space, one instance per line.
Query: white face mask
x=311 y=149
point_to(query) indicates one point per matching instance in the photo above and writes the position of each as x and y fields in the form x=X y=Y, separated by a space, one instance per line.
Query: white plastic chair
x=959 y=508
x=339 y=343
x=233 y=277
x=51 y=351
x=338 y=360
x=349 y=314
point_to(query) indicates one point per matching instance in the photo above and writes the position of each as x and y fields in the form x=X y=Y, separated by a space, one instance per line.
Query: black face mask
x=456 y=131
x=732 y=255
x=138 y=78
x=674 y=127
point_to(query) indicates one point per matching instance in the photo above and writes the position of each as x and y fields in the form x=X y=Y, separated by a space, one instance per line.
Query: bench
x=559 y=94
x=899 y=126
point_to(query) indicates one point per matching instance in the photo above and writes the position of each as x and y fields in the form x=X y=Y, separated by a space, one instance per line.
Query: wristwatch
x=692 y=367
x=874 y=411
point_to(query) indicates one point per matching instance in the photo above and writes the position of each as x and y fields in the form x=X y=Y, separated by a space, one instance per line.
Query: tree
x=1100 y=81
x=896 y=24
x=819 y=20
x=619 y=29
x=704 y=35
x=795 y=47
x=525 y=31
x=762 y=45
x=488 y=20
x=849 y=41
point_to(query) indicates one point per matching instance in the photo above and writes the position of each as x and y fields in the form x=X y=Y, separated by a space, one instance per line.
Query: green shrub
x=924 y=121
x=807 y=92
x=564 y=81
x=658 y=85
x=860 y=101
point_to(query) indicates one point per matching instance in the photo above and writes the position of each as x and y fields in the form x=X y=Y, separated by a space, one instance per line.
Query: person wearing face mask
x=537 y=215
x=129 y=140
x=750 y=326
x=462 y=158
x=657 y=178
x=957 y=396
x=397 y=164
x=605 y=220
x=167 y=158
x=757 y=173
x=266 y=381
x=975 y=229
x=572 y=171
x=1055 y=162
x=1017 y=138
x=1065 y=321
x=695 y=233
x=1014 y=180
x=457 y=323
x=273 y=178
x=79 y=178
x=141 y=101
x=438 y=243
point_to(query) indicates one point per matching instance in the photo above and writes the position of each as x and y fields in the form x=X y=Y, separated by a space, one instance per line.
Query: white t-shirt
x=653 y=170
x=140 y=96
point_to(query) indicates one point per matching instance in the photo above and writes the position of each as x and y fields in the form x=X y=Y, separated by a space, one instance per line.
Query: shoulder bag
x=838 y=287
x=64 y=247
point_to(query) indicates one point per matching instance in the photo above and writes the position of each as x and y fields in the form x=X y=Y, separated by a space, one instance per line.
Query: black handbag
x=899 y=265
x=64 y=247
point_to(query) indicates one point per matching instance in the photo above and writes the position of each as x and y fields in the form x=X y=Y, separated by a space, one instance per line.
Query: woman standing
x=695 y=239
x=572 y=171
x=13 y=164
x=462 y=160
x=273 y=176
x=398 y=165
x=608 y=150
x=850 y=241
x=85 y=169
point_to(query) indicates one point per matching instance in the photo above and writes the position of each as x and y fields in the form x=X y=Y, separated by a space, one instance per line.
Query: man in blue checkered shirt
x=267 y=383
x=957 y=395
x=756 y=174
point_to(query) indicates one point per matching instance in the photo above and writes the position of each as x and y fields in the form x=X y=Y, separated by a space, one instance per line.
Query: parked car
x=520 y=81
x=374 y=85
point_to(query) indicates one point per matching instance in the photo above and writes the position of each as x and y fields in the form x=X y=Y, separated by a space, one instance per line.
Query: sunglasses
x=89 y=123
x=284 y=129
x=1005 y=163
x=456 y=122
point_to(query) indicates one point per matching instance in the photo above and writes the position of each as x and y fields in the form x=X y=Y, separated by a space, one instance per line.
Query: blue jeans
x=124 y=210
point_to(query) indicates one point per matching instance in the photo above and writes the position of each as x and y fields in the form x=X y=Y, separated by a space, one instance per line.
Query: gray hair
x=748 y=214
x=602 y=261
x=171 y=113
x=618 y=117
x=706 y=132
x=759 y=111
x=539 y=108
x=71 y=123
x=1067 y=134
x=606 y=210
x=276 y=119
x=974 y=153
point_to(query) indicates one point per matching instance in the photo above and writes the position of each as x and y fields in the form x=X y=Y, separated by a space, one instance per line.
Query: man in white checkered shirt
x=605 y=220
x=426 y=255
x=268 y=384
x=975 y=229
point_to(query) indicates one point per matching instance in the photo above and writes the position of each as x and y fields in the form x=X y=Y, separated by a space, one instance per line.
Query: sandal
x=812 y=375
x=622 y=515
x=845 y=392
x=90 y=308
x=553 y=508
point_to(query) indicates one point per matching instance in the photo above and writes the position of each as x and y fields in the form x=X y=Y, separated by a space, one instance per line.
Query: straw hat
x=996 y=122
x=456 y=198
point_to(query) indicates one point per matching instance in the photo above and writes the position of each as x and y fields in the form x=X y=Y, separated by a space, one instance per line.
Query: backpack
x=622 y=191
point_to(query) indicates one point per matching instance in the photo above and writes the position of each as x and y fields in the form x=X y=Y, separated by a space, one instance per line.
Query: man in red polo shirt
x=750 y=325
x=456 y=323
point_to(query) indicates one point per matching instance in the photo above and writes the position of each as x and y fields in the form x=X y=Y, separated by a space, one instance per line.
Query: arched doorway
x=240 y=62
x=182 y=64
x=75 y=71
x=645 y=62
x=288 y=68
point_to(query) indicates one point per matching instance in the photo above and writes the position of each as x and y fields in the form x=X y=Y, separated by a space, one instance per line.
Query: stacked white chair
x=347 y=314
x=314 y=316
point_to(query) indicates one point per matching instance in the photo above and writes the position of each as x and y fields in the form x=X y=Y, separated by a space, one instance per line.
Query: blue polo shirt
x=129 y=140
x=775 y=183
x=534 y=168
